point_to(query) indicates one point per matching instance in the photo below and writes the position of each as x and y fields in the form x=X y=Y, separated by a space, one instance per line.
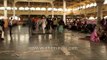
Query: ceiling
x=46 y=3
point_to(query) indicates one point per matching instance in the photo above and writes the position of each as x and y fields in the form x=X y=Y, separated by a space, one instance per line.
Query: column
x=85 y=11
x=14 y=11
x=5 y=10
x=46 y=14
x=29 y=9
x=64 y=11
x=52 y=4
x=99 y=27
x=99 y=9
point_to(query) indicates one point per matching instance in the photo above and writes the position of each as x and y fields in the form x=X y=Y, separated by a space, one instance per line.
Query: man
x=10 y=27
x=2 y=29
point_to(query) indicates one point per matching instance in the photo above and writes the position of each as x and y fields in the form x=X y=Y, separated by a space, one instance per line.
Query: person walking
x=2 y=29
x=10 y=27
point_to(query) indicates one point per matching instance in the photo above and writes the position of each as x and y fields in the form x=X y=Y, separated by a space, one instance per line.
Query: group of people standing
x=47 y=24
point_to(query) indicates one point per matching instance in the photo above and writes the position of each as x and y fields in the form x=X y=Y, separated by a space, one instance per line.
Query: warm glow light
x=14 y=8
x=14 y=18
x=95 y=17
x=60 y=9
x=76 y=9
x=69 y=9
x=55 y=9
x=27 y=8
x=91 y=18
x=87 y=6
x=2 y=8
x=38 y=8
x=9 y=8
x=94 y=4
x=43 y=9
x=49 y=9
x=32 y=8
x=1 y=17
x=83 y=7
x=105 y=2
x=105 y=17
x=21 y=8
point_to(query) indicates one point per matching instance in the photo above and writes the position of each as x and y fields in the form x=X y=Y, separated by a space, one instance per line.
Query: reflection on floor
x=55 y=46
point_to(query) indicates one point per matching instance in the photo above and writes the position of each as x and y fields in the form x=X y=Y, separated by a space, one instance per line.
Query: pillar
x=14 y=11
x=64 y=11
x=29 y=9
x=99 y=9
x=85 y=11
x=99 y=27
x=46 y=11
x=52 y=4
x=5 y=10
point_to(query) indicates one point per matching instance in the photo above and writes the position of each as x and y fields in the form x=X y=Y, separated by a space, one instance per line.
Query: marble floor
x=55 y=46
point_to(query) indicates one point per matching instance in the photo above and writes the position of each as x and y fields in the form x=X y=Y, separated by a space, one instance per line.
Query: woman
x=61 y=26
x=94 y=36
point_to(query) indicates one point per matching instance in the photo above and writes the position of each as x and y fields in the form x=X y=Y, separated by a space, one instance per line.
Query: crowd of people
x=47 y=24
x=81 y=25
x=87 y=26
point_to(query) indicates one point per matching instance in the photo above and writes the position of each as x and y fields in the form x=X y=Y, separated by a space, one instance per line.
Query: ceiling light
x=43 y=9
x=9 y=8
x=32 y=8
x=38 y=8
x=49 y=9
x=27 y=8
x=21 y=8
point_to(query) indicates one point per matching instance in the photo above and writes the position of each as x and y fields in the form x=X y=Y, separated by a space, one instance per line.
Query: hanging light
x=49 y=9
x=1 y=17
x=75 y=9
x=14 y=8
x=14 y=18
x=91 y=18
x=78 y=8
x=43 y=9
x=87 y=6
x=69 y=9
x=21 y=8
x=27 y=8
x=105 y=17
x=60 y=9
x=32 y=8
x=38 y=8
x=105 y=2
x=94 y=4
x=83 y=7
x=55 y=9
x=8 y=8
x=2 y=8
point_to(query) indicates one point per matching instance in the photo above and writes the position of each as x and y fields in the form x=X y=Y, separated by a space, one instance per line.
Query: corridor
x=69 y=45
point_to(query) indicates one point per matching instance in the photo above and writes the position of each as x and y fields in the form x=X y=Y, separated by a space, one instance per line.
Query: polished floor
x=55 y=46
